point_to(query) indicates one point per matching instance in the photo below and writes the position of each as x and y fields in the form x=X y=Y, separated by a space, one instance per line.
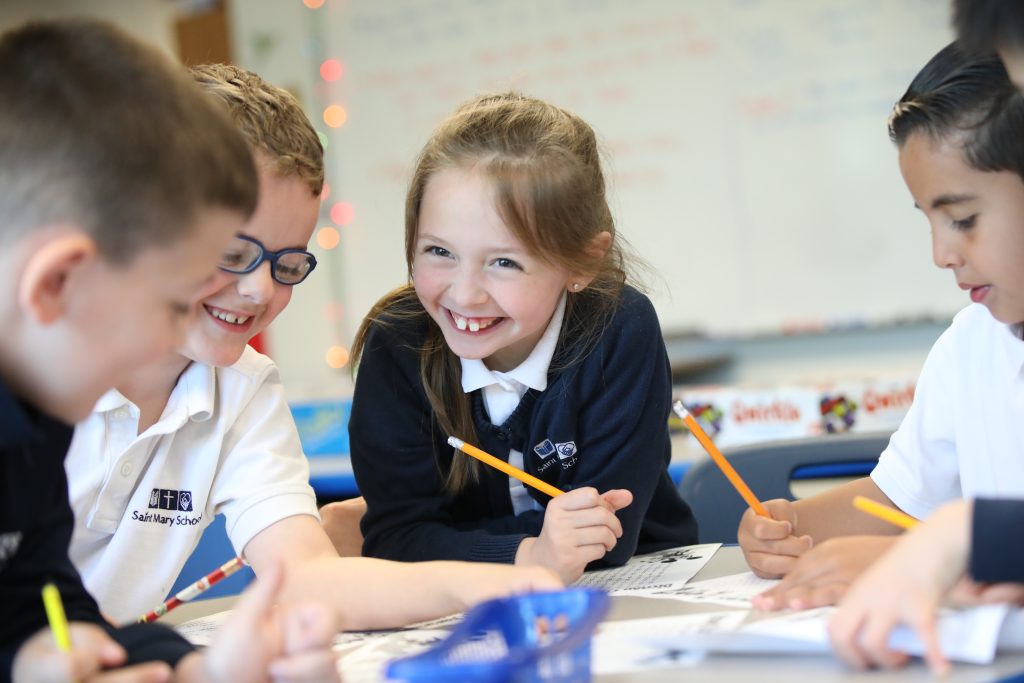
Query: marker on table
x=889 y=514
x=55 y=615
x=511 y=471
x=189 y=592
x=727 y=469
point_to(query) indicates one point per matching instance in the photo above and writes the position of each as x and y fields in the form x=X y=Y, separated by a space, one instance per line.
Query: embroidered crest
x=545 y=448
x=566 y=449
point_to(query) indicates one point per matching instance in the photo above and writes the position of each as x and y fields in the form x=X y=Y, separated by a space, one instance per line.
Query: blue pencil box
x=535 y=638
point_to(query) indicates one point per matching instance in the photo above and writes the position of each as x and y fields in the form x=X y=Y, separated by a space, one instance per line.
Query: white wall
x=368 y=162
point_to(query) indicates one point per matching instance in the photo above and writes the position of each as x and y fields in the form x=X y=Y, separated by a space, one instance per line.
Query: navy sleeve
x=392 y=440
x=997 y=550
x=623 y=421
x=42 y=556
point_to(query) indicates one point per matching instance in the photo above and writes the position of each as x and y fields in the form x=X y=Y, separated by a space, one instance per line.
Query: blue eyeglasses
x=287 y=266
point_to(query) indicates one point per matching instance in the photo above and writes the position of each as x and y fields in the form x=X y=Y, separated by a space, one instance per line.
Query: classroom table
x=727 y=668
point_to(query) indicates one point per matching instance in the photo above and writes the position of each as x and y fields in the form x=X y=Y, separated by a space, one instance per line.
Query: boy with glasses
x=206 y=429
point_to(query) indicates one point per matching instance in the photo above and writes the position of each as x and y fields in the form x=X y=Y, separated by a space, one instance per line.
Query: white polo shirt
x=504 y=390
x=226 y=442
x=963 y=436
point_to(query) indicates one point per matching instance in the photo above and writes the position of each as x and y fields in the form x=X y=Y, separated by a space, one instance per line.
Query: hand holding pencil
x=580 y=526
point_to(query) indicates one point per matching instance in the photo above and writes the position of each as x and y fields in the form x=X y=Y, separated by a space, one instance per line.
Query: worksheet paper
x=970 y=635
x=644 y=574
x=735 y=590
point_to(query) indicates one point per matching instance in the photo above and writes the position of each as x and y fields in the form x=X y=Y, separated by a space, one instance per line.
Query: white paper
x=735 y=590
x=646 y=644
x=200 y=632
x=664 y=570
x=368 y=662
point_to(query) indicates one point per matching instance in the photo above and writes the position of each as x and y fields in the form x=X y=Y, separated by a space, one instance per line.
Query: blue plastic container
x=535 y=638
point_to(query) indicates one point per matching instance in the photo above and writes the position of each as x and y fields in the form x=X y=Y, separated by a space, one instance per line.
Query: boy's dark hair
x=989 y=24
x=967 y=98
x=103 y=132
x=270 y=119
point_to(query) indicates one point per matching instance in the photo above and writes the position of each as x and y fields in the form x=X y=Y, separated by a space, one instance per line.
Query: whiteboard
x=747 y=154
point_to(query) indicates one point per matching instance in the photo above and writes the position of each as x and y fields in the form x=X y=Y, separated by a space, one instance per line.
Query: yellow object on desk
x=503 y=466
x=727 y=469
x=55 y=615
x=891 y=515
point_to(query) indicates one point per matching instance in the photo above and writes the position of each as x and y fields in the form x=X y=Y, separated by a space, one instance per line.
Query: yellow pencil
x=891 y=515
x=727 y=469
x=511 y=471
x=55 y=615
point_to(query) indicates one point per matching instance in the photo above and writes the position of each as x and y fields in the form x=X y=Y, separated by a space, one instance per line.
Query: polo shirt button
x=126 y=469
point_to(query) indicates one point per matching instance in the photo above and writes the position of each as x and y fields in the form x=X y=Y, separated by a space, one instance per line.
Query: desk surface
x=728 y=667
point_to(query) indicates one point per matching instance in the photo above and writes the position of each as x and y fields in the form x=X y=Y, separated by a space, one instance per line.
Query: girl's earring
x=575 y=286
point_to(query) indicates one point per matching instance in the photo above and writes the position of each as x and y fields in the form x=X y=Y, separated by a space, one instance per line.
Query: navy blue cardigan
x=601 y=422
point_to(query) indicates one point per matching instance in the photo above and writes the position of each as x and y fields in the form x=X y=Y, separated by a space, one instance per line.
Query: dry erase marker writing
x=186 y=594
x=727 y=469
x=891 y=515
x=55 y=615
x=503 y=466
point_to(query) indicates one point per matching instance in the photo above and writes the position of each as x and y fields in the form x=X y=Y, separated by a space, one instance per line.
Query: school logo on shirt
x=170 y=499
x=565 y=450
x=545 y=448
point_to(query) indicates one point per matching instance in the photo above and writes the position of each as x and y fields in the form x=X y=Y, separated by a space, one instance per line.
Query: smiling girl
x=518 y=333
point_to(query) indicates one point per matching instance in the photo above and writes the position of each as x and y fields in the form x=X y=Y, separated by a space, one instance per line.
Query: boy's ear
x=42 y=289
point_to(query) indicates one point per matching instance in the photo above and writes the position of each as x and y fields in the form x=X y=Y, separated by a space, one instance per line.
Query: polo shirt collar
x=192 y=397
x=532 y=372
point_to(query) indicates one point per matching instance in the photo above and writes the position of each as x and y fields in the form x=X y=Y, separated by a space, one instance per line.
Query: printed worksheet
x=664 y=570
x=200 y=632
x=368 y=662
x=735 y=590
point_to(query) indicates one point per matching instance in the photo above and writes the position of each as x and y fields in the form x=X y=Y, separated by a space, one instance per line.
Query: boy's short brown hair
x=101 y=131
x=270 y=118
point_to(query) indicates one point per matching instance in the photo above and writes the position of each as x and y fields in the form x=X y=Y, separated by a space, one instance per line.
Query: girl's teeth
x=474 y=326
x=460 y=322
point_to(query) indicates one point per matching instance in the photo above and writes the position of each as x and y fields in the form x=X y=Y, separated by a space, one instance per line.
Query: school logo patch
x=565 y=450
x=545 y=448
x=170 y=499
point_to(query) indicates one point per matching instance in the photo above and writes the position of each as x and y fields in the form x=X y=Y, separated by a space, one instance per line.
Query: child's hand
x=768 y=544
x=261 y=641
x=579 y=527
x=823 y=574
x=39 y=660
x=905 y=586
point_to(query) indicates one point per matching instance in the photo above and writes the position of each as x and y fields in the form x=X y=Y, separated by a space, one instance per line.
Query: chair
x=768 y=468
x=341 y=522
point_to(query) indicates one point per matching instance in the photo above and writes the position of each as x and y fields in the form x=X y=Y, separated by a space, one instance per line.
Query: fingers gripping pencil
x=190 y=592
x=727 y=469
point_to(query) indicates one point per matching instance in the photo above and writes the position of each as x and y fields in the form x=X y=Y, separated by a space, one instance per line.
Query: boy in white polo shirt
x=207 y=429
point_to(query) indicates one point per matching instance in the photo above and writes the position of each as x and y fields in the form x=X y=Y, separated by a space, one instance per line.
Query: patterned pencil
x=190 y=592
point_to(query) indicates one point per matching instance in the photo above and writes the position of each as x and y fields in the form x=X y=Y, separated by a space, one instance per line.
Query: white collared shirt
x=504 y=390
x=963 y=437
x=226 y=442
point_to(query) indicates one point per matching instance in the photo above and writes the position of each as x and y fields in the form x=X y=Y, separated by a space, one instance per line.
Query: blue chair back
x=768 y=468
